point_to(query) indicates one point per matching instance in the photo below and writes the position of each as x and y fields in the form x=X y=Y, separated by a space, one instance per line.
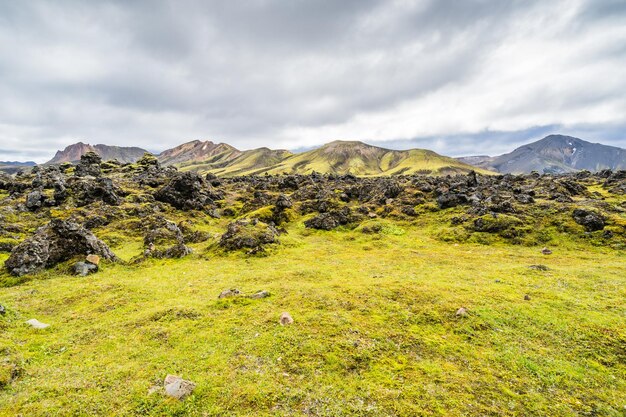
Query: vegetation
x=375 y=304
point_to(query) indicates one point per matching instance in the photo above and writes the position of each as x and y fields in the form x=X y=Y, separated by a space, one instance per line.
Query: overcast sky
x=458 y=77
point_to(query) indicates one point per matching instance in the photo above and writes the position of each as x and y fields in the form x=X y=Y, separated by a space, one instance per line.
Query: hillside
x=11 y=167
x=554 y=154
x=250 y=162
x=339 y=157
x=409 y=296
x=360 y=159
x=198 y=151
x=72 y=153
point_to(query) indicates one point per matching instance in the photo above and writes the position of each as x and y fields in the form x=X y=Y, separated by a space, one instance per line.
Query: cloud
x=301 y=73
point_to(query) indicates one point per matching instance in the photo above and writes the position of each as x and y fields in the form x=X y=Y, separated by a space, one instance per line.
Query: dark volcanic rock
x=84 y=268
x=188 y=191
x=448 y=200
x=590 y=220
x=330 y=220
x=34 y=200
x=89 y=165
x=57 y=242
x=248 y=234
x=101 y=189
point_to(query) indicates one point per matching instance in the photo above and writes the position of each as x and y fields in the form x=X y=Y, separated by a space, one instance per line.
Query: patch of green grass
x=375 y=330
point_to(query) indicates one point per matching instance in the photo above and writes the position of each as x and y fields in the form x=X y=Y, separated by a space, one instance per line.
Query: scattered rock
x=285 y=319
x=178 y=388
x=546 y=251
x=233 y=292
x=85 y=268
x=330 y=220
x=260 y=294
x=89 y=165
x=3 y=310
x=449 y=200
x=93 y=259
x=251 y=234
x=539 y=267
x=188 y=191
x=37 y=324
x=56 y=242
x=461 y=312
x=589 y=219
x=527 y=297
x=34 y=200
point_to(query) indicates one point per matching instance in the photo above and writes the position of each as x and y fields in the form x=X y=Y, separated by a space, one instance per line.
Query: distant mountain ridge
x=554 y=154
x=11 y=167
x=72 y=153
x=339 y=157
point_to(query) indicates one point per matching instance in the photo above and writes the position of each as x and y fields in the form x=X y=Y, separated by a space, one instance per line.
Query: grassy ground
x=375 y=331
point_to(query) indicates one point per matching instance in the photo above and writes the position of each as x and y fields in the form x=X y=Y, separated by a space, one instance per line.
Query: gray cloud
x=299 y=73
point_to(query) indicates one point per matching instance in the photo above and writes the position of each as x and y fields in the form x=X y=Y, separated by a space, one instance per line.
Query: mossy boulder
x=496 y=223
x=253 y=235
x=590 y=219
x=56 y=242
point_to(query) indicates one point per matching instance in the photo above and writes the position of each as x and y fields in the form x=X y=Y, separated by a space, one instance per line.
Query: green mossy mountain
x=339 y=157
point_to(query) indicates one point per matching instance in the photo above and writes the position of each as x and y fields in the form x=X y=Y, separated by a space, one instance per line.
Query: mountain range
x=73 y=153
x=12 y=167
x=339 y=157
x=552 y=154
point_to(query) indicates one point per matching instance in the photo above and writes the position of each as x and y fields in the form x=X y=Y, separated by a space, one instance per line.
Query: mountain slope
x=73 y=153
x=555 y=154
x=250 y=162
x=198 y=151
x=358 y=158
x=12 y=167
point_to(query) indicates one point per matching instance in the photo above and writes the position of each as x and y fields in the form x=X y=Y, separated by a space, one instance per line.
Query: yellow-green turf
x=375 y=330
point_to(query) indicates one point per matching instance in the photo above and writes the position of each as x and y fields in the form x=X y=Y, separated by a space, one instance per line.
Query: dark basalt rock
x=590 y=220
x=188 y=191
x=56 y=242
x=251 y=234
x=449 y=200
x=165 y=239
x=330 y=220
x=34 y=200
x=101 y=189
x=84 y=268
x=89 y=165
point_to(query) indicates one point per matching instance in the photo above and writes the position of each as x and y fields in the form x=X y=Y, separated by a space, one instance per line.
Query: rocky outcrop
x=89 y=165
x=330 y=220
x=188 y=191
x=589 y=219
x=56 y=242
x=252 y=235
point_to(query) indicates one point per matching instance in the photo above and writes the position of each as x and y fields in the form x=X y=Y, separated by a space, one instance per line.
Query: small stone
x=233 y=292
x=286 y=319
x=461 y=312
x=84 y=268
x=527 y=297
x=154 y=389
x=178 y=388
x=546 y=251
x=37 y=324
x=260 y=294
x=498 y=281
x=539 y=267
x=93 y=259
x=2 y=310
